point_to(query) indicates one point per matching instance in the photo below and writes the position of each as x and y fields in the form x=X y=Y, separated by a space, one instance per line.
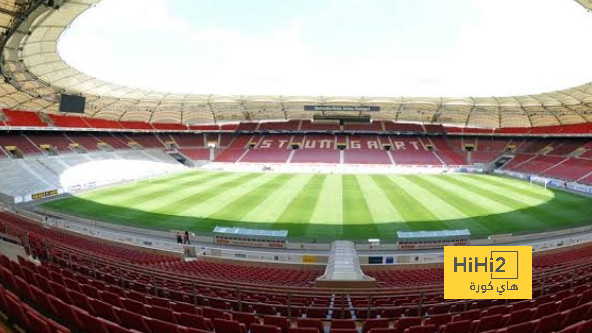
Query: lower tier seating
x=80 y=287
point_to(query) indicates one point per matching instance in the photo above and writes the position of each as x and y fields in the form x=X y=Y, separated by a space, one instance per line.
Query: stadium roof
x=35 y=75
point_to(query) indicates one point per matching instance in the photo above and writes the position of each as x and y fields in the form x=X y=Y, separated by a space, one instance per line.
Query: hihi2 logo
x=487 y=272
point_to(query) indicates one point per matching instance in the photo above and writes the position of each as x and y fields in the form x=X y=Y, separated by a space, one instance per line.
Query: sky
x=334 y=47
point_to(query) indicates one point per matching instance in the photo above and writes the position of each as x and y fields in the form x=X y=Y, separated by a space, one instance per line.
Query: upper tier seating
x=22 y=118
x=166 y=126
x=136 y=125
x=292 y=125
x=402 y=127
x=213 y=127
x=434 y=128
x=375 y=126
x=71 y=121
x=59 y=120
x=103 y=123
x=247 y=126
x=308 y=125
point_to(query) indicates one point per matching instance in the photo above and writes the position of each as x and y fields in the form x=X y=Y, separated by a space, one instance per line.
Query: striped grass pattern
x=328 y=207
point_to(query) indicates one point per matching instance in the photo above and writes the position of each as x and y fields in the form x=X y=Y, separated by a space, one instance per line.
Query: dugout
x=432 y=239
x=250 y=237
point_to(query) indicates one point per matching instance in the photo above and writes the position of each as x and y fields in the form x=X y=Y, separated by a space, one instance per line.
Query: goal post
x=539 y=181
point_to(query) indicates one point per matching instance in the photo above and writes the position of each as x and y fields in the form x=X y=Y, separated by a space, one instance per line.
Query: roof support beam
x=211 y=108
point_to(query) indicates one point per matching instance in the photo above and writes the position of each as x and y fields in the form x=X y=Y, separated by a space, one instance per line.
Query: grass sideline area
x=329 y=207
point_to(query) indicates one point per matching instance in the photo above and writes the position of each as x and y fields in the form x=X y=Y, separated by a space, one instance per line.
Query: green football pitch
x=328 y=207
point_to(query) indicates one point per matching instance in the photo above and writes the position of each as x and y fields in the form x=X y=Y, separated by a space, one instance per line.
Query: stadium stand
x=103 y=123
x=22 y=119
x=167 y=126
x=376 y=126
x=68 y=121
x=19 y=141
x=197 y=154
x=88 y=141
x=565 y=158
x=390 y=126
x=315 y=155
x=136 y=125
x=415 y=157
x=113 y=140
x=291 y=125
x=146 y=140
x=266 y=155
x=484 y=156
x=38 y=173
x=308 y=125
x=539 y=164
x=58 y=141
x=189 y=140
x=84 y=283
x=571 y=169
x=366 y=156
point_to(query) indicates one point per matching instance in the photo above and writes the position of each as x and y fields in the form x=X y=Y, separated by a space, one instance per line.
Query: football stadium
x=255 y=167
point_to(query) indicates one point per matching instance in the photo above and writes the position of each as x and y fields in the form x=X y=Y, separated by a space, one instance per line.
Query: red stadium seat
x=307 y=322
x=259 y=328
x=132 y=320
x=245 y=318
x=343 y=330
x=38 y=325
x=162 y=313
x=402 y=323
x=195 y=321
x=228 y=326
x=282 y=322
x=159 y=326
x=456 y=327
x=303 y=330
x=343 y=323
x=421 y=329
